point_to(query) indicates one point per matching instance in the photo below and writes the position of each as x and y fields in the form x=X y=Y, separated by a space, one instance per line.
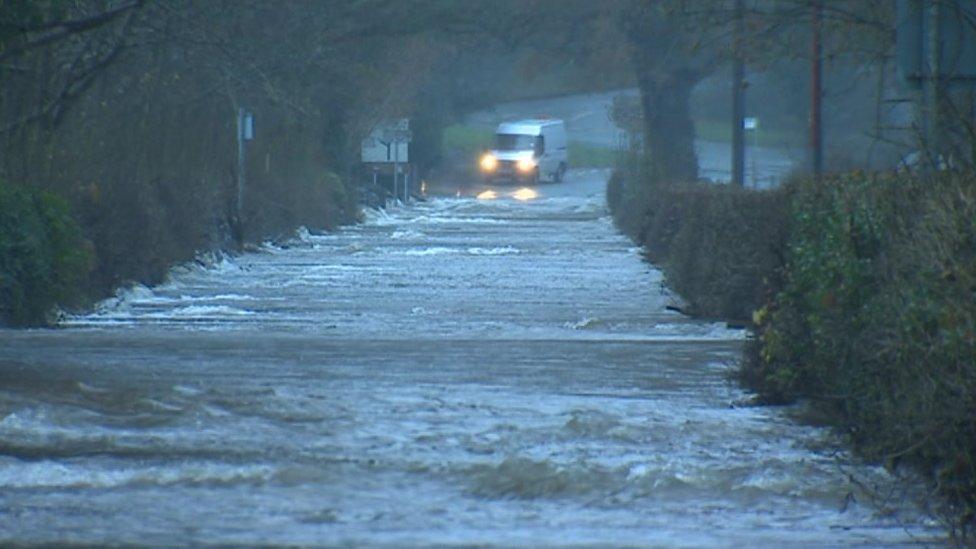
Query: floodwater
x=494 y=371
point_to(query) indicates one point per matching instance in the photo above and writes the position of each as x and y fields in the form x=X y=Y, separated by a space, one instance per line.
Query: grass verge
x=720 y=131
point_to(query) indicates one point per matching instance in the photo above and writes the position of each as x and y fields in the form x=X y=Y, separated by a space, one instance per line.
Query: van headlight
x=488 y=162
x=525 y=165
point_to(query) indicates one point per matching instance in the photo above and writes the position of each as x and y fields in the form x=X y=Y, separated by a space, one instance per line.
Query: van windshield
x=515 y=142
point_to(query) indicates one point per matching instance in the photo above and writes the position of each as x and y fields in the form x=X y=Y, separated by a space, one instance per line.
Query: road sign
x=388 y=142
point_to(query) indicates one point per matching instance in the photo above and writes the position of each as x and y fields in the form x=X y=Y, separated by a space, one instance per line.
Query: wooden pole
x=816 y=92
x=738 y=99
x=240 y=166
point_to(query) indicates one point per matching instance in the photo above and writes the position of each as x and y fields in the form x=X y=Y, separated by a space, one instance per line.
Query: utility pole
x=396 y=167
x=240 y=165
x=936 y=86
x=738 y=98
x=816 y=91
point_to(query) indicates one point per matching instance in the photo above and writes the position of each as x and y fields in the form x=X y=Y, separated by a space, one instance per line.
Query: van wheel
x=560 y=172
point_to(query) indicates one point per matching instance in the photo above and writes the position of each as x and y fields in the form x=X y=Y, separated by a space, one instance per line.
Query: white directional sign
x=388 y=142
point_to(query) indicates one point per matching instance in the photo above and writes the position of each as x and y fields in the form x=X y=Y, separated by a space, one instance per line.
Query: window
x=517 y=142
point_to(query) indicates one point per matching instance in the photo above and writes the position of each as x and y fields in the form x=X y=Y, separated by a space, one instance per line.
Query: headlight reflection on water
x=522 y=194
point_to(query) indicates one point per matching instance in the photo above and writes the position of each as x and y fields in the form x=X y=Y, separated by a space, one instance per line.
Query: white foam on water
x=380 y=218
x=694 y=331
x=124 y=298
x=186 y=390
x=303 y=235
x=437 y=220
x=87 y=388
x=436 y=250
x=407 y=234
x=504 y=250
x=200 y=311
x=584 y=324
x=222 y=297
x=49 y=474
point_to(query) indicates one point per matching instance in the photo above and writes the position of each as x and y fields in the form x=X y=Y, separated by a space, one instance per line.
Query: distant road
x=587 y=120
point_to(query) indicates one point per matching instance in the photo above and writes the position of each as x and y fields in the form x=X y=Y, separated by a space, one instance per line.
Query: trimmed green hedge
x=717 y=245
x=43 y=259
x=862 y=289
x=875 y=321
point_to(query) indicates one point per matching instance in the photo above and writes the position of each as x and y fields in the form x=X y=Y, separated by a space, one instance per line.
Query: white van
x=527 y=150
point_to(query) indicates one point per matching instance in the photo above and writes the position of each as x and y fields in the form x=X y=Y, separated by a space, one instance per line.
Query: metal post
x=816 y=92
x=755 y=152
x=240 y=165
x=738 y=99
x=396 y=168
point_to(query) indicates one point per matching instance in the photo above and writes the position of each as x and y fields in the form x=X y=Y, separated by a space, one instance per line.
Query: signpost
x=751 y=124
x=388 y=144
x=245 y=133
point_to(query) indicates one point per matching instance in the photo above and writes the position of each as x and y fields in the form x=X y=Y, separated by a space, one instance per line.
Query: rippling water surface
x=460 y=371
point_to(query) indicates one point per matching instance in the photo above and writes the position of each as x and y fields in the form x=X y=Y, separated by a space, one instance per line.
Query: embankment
x=862 y=291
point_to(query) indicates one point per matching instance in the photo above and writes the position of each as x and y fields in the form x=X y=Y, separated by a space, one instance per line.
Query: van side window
x=540 y=145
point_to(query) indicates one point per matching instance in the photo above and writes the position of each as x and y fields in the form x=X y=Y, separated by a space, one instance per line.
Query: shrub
x=864 y=296
x=43 y=259
x=716 y=244
x=875 y=321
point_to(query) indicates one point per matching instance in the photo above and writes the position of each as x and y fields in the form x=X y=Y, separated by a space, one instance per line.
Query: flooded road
x=459 y=371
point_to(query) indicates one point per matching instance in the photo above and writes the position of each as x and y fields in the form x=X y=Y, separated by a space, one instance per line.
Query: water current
x=457 y=371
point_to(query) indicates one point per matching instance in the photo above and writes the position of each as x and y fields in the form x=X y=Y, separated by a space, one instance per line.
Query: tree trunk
x=669 y=135
x=668 y=64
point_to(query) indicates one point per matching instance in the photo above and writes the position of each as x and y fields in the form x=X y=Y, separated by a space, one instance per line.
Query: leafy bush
x=715 y=244
x=875 y=321
x=139 y=228
x=867 y=287
x=43 y=259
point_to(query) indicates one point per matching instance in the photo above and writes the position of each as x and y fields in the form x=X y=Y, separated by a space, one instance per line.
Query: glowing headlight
x=489 y=162
x=526 y=165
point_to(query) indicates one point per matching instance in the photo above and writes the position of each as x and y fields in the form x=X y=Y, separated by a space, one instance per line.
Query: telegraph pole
x=738 y=99
x=396 y=167
x=936 y=86
x=816 y=91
